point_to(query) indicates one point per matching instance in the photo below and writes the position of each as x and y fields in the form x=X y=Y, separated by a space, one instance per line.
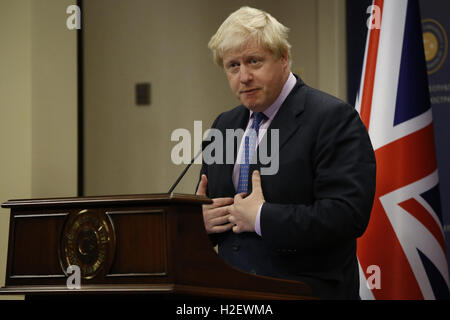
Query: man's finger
x=236 y=229
x=220 y=202
x=240 y=196
x=220 y=220
x=201 y=190
x=217 y=212
x=256 y=181
x=222 y=228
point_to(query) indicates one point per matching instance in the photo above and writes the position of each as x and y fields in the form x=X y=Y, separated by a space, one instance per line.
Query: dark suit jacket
x=317 y=204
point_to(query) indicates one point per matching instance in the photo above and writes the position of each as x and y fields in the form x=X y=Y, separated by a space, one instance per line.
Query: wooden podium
x=151 y=244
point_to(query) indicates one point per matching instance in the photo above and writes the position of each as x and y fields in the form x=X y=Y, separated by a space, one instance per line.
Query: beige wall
x=54 y=100
x=15 y=110
x=331 y=43
x=38 y=105
x=128 y=148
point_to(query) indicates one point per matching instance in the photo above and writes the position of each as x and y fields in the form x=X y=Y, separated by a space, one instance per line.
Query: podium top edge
x=110 y=199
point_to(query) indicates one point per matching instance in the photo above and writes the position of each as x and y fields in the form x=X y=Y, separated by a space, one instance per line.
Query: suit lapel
x=240 y=122
x=287 y=121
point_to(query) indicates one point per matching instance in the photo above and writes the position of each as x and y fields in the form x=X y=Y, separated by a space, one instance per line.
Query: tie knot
x=258 y=117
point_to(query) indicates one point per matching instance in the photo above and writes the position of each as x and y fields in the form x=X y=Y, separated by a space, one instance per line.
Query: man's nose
x=245 y=74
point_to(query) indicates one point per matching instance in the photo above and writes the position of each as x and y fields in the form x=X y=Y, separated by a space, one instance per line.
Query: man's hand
x=215 y=215
x=245 y=209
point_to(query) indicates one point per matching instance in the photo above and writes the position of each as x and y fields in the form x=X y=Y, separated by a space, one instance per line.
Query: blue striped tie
x=250 y=142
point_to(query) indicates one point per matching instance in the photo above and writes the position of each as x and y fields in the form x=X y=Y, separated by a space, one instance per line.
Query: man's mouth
x=249 y=91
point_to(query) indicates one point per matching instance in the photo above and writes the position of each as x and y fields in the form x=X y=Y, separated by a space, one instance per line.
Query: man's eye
x=256 y=60
x=233 y=67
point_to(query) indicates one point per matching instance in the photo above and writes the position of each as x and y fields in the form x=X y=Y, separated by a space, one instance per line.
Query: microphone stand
x=205 y=143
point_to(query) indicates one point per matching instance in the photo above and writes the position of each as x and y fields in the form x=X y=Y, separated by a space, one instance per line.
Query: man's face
x=255 y=76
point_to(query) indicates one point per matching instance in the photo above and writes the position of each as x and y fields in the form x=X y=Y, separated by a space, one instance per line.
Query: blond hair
x=247 y=25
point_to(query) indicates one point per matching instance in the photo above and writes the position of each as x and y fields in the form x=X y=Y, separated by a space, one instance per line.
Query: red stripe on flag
x=380 y=246
x=405 y=160
x=369 y=76
x=425 y=218
x=399 y=163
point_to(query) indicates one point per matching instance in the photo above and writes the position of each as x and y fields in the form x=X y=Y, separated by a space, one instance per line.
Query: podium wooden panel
x=152 y=244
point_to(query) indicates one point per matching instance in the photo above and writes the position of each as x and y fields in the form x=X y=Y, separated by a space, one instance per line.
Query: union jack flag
x=405 y=238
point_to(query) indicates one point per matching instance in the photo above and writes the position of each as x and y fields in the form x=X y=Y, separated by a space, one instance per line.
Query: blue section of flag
x=412 y=99
x=433 y=198
x=437 y=282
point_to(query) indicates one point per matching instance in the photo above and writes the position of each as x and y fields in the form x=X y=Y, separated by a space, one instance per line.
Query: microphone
x=205 y=143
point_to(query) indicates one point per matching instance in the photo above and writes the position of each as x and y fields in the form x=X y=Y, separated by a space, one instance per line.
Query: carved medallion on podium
x=88 y=241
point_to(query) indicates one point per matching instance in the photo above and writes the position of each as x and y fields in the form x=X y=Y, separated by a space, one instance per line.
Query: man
x=302 y=222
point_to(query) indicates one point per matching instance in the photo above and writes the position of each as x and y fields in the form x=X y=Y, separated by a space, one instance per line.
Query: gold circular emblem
x=88 y=241
x=435 y=44
x=431 y=45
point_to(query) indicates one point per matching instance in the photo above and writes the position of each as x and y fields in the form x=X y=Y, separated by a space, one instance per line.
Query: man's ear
x=285 y=59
